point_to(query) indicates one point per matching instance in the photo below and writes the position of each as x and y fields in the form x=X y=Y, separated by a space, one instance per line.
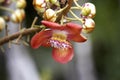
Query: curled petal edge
x=40 y=38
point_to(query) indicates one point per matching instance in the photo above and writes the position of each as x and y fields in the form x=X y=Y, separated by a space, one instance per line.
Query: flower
x=88 y=10
x=58 y=37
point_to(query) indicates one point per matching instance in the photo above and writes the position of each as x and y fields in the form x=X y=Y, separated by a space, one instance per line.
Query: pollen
x=59 y=40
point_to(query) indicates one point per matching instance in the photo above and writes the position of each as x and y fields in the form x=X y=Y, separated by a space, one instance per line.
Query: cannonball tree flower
x=58 y=37
x=88 y=10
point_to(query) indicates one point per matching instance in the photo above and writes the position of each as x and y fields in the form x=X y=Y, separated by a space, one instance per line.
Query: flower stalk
x=77 y=4
x=74 y=15
x=6 y=9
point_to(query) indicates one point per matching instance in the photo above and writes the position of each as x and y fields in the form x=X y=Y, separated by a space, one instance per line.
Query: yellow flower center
x=58 y=40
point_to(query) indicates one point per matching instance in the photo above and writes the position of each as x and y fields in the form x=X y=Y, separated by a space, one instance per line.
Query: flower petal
x=46 y=43
x=74 y=32
x=73 y=28
x=62 y=55
x=77 y=38
x=40 y=38
x=52 y=25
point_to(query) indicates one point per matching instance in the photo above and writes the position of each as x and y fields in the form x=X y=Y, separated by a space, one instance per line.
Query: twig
x=17 y=34
x=34 y=21
x=76 y=16
x=65 y=11
x=32 y=25
x=6 y=9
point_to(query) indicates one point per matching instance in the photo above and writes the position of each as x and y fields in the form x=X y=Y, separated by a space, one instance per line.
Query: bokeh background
x=105 y=50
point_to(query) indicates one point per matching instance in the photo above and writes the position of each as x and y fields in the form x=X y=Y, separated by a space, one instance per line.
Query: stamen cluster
x=59 y=44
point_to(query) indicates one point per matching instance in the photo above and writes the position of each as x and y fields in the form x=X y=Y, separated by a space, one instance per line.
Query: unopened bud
x=21 y=4
x=88 y=10
x=53 y=1
x=39 y=5
x=85 y=11
x=18 y=15
x=49 y=15
x=2 y=23
x=89 y=25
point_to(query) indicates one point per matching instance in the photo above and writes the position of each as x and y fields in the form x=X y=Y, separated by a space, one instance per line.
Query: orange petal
x=77 y=38
x=62 y=55
x=51 y=24
x=40 y=38
x=74 y=28
x=46 y=43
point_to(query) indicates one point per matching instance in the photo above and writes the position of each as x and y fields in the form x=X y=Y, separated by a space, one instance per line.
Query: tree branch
x=65 y=11
x=17 y=34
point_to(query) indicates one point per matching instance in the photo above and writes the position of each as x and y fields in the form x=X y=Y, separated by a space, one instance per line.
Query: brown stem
x=65 y=11
x=17 y=34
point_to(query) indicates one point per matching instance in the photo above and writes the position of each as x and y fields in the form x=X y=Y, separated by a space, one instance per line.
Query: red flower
x=58 y=36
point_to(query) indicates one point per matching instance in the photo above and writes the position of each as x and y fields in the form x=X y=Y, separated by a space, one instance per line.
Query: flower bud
x=2 y=23
x=88 y=10
x=39 y=5
x=85 y=11
x=18 y=15
x=21 y=4
x=53 y=1
x=89 y=25
x=49 y=15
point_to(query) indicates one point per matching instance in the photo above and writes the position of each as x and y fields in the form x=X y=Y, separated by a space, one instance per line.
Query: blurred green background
x=105 y=39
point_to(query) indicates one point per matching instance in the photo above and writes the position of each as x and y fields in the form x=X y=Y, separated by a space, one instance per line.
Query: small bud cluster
x=51 y=8
x=47 y=8
x=19 y=14
x=88 y=10
x=87 y=13
x=16 y=16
